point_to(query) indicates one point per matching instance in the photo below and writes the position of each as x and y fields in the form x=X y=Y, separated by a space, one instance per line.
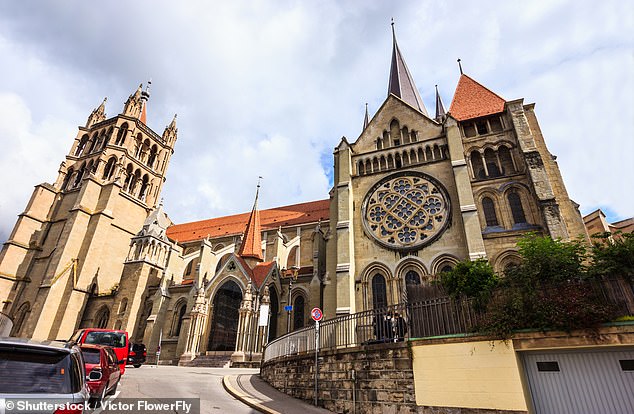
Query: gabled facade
x=412 y=196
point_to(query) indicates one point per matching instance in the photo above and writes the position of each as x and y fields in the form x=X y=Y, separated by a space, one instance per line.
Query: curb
x=245 y=398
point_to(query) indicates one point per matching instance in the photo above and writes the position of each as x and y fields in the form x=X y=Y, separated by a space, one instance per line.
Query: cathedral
x=412 y=195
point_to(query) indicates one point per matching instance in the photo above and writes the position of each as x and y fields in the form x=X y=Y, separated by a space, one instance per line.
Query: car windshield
x=91 y=356
x=113 y=339
x=34 y=371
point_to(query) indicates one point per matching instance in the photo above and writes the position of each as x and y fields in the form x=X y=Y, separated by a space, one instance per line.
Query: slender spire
x=401 y=81
x=366 y=119
x=251 y=246
x=145 y=95
x=440 y=108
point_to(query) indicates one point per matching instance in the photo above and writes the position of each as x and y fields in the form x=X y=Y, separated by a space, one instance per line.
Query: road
x=164 y=382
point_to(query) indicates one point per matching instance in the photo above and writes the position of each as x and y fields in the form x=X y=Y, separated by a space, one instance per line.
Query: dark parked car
x=137 y=354
x=116 y=339
x=50 y=369
x=103 y=371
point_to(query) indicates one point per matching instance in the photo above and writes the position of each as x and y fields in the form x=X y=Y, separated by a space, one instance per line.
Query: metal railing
x=439 y=316
x=421 y=319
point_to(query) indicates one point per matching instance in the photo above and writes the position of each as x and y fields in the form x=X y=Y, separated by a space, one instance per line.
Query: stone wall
x=384 y=380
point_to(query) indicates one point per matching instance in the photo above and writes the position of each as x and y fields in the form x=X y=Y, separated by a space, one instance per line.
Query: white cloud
x=268 y=88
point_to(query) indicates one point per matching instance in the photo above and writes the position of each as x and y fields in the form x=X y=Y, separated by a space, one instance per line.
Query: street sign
x=288 y=308
x=316 y=314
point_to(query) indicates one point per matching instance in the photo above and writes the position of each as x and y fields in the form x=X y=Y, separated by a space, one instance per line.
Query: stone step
x=210 y=361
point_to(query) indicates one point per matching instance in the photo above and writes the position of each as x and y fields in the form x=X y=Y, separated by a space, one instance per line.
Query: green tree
x=472 y=279
x=613 y=255
x=546 y=260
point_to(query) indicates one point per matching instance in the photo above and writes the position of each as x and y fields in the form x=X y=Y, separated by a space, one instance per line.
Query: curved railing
x=439 y=316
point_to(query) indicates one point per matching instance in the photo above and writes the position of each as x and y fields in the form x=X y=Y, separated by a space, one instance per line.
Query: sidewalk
x=257 y=394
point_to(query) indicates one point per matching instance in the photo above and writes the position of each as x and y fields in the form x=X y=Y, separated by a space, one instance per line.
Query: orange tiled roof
x=252 y=243
x=260 y=271
x=472 y=100
x=269 y=219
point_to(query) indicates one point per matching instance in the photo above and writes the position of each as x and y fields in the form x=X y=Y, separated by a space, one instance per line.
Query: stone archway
x=224 y=322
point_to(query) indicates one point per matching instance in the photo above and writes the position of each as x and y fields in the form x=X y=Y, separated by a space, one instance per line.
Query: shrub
x=471 y=279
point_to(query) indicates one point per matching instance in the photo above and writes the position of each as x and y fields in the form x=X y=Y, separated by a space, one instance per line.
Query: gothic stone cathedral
x=412 y=196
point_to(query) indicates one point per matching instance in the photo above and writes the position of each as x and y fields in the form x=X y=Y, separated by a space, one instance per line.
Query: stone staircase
x=211 y=360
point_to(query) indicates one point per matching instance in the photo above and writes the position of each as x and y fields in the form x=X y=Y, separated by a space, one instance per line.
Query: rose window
x=406 y=211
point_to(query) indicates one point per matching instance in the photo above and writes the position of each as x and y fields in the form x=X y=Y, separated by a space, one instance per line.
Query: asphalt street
x=162 y=383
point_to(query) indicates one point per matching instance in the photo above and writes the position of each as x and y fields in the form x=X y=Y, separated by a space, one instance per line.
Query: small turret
x=440 y=108
x=97 y=115
x=171 y=132
x=133 y=105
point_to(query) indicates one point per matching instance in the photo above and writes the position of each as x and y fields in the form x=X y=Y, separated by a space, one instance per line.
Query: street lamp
x=294 y=270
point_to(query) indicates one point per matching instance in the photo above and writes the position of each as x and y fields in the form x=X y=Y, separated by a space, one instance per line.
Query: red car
x=102 y=369
x=117 y=340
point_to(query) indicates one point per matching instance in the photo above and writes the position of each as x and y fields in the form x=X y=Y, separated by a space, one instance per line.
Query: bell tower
x=71 y=242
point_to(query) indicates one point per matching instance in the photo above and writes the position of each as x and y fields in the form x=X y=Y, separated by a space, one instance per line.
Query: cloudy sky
x=269 y=87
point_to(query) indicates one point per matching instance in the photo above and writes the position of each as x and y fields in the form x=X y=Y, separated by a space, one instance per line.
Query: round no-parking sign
x=316 y=314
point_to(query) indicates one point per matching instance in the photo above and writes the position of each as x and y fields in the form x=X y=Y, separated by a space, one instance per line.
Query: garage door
x=581 y=382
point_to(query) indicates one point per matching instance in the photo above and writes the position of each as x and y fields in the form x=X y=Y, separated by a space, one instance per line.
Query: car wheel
x=114 y=389
x=137 y=365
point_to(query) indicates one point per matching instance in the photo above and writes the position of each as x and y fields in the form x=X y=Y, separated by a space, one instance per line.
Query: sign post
x=316 y=314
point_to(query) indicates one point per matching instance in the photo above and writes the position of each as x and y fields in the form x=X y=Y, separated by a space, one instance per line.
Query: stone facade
x=411 y=196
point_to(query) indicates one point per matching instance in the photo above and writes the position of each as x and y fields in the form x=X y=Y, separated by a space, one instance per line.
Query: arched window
x=152 y=158
x=108 y=136
x=128 y=179
x=144 y=187
x=179 y=314
x=412 y=278
x=68 y=179
x=298 y=312
x=121 y=135
x=492 y=163
x=437 y=154
x=361 y=169
x=102 y=317
x=136 y=177
x=138 y=144
x=506 y=160
x=94 y=143
x=379 y=292
x=108 y=170
x=395 y=132
x=79 y=176
x=515 y=203
x=275 y=307
x=489 y=212
x=446 y=268
x=190 y=269
x=428 y=155
x=81 y=145
x=477 y=166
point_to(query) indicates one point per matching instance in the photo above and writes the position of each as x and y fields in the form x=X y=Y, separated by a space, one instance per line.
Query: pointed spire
x=171 y=132
x=98 y=114
x=440 y=108
x=133 y=105
x=366 y=118
x=401 y=81
x=251 y=246
x=145 y=95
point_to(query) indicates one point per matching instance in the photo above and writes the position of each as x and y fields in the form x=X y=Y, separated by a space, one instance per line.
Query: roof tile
x=233 y=225
x=472 y=100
